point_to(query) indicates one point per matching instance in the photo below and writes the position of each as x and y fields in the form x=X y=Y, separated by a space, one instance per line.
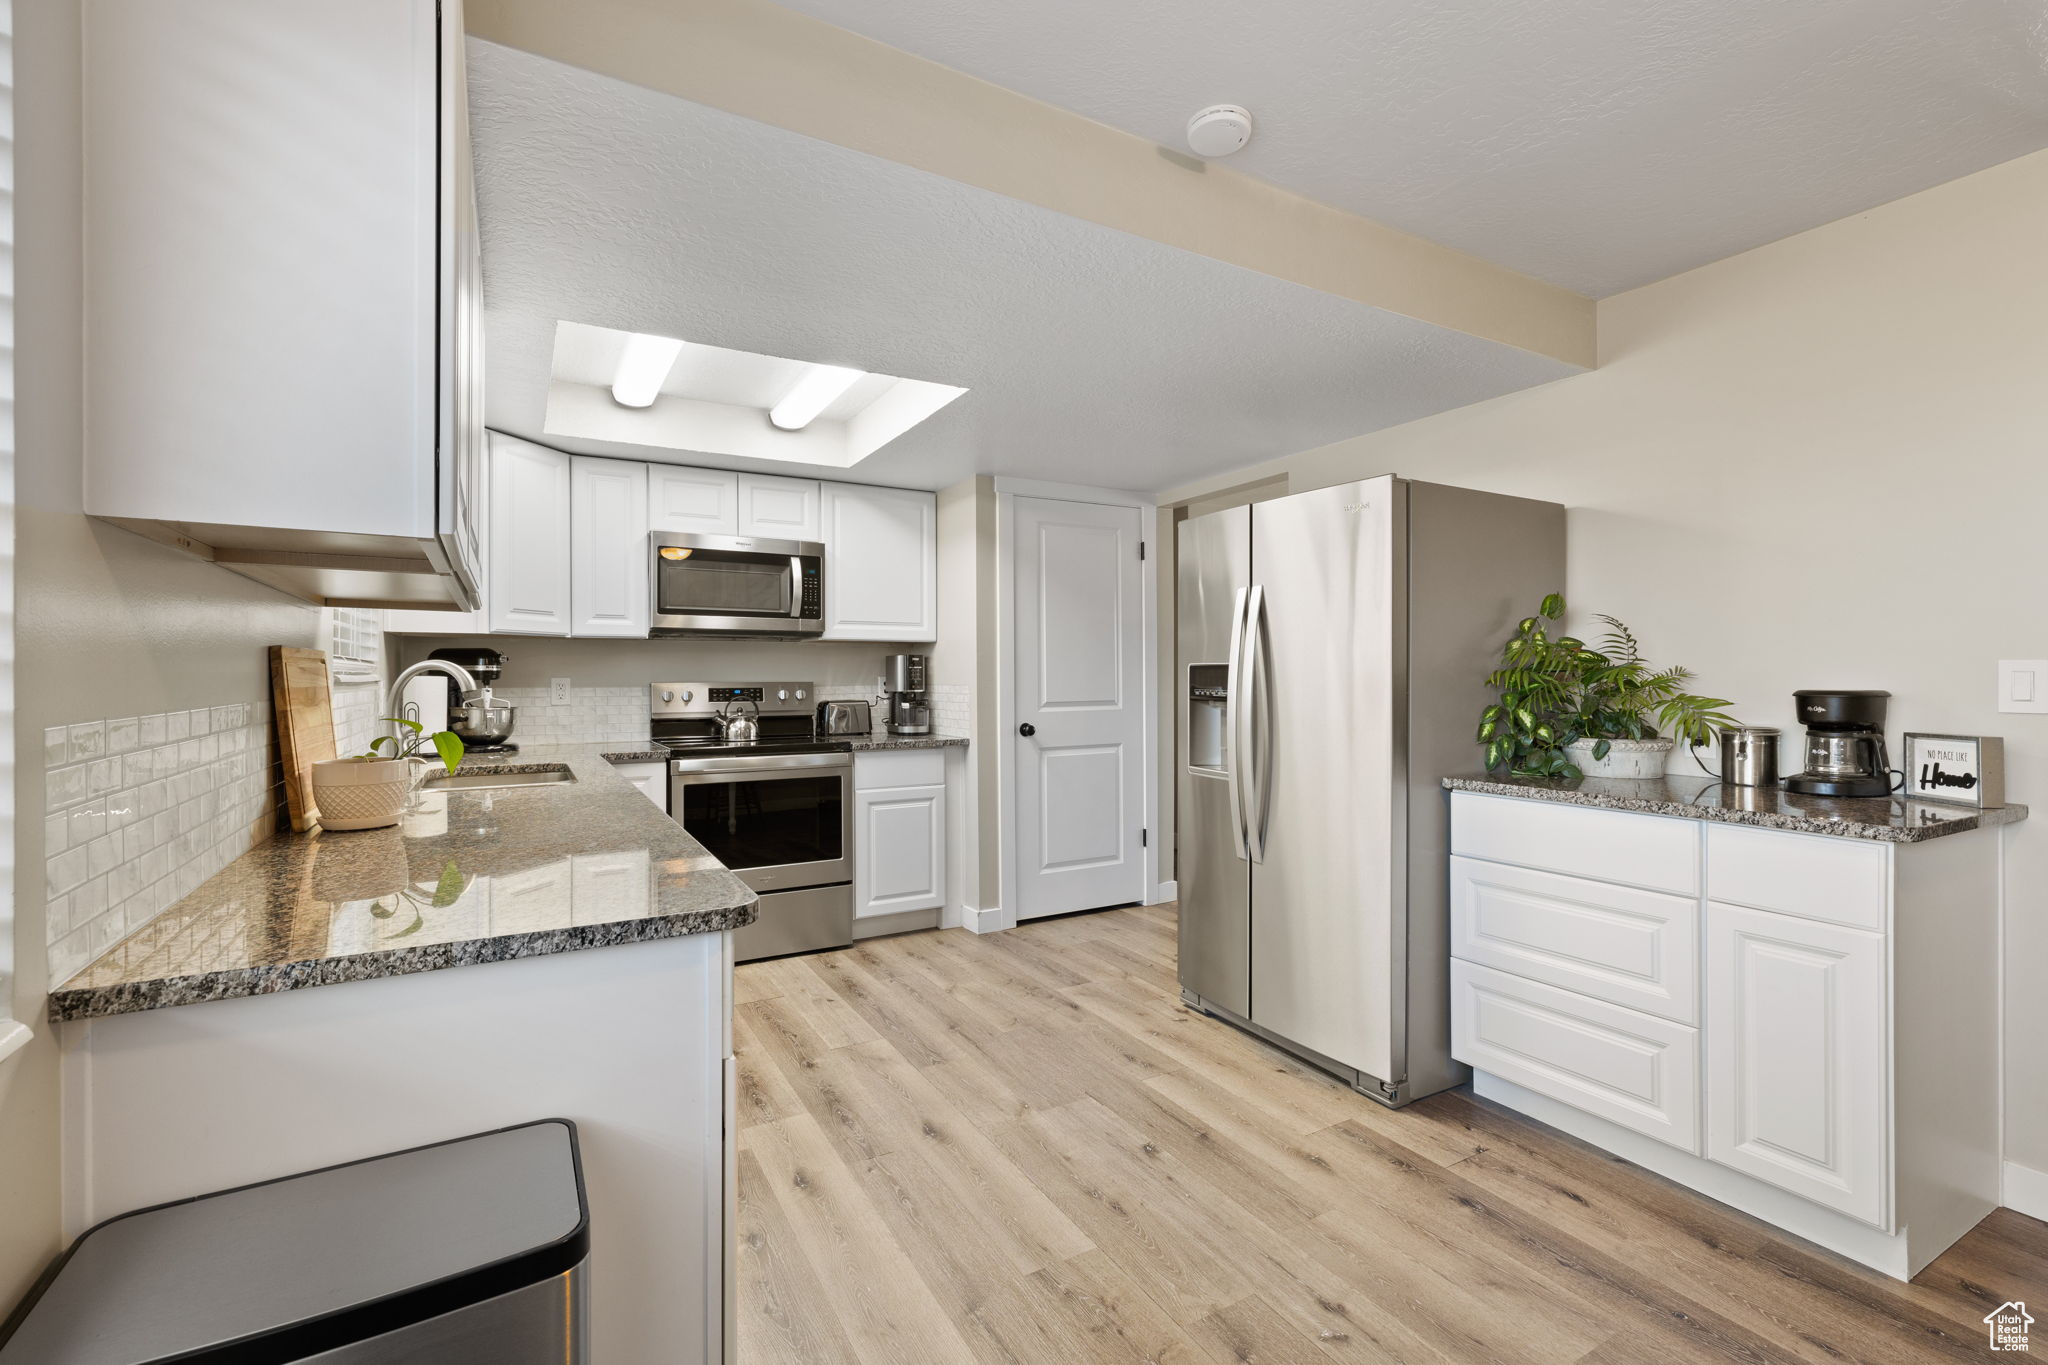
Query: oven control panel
x=722 y=695
x=811 y=606
x=680 y=700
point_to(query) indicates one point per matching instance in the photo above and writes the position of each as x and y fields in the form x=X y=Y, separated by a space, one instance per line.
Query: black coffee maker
x=1845 y=754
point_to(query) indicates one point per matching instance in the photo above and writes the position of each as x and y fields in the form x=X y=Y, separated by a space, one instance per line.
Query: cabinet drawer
x=1624 y=1066
x=884 y=768
x=1841 y=881
x=1656 y=851
x=1615 y=943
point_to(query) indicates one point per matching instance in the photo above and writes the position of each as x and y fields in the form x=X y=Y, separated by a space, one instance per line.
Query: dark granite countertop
x=879 y=740
x=468 y=876
x=1886 y=819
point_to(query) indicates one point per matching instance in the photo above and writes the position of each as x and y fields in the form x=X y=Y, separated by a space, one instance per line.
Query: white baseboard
x=2026 y=1190
x=987 y=921
x=1164 y=892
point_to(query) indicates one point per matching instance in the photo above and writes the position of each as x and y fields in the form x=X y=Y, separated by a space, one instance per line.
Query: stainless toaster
x=845 y=718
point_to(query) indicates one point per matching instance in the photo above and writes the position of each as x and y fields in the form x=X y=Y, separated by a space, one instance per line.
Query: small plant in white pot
x=368 y=791
x=1569 y=710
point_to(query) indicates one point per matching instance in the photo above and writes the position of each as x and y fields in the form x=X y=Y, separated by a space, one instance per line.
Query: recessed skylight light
x=811 y=395
x=635 y=388
x=643 y=365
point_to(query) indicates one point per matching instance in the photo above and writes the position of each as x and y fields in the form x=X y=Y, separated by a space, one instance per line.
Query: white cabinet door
x=650 y=778
x=899 y=850
x=528 y=592
x=706 y=501
x=608 y=563
x=1797 y=1061
x=881 y=565
x=778 y=508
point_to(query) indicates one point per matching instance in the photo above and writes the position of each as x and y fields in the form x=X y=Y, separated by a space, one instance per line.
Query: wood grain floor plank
x=789 y=1318
x=1018 y=1148
x=883 y=1304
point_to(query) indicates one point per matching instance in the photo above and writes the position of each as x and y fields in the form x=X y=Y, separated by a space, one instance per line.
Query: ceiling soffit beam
x=775 y=66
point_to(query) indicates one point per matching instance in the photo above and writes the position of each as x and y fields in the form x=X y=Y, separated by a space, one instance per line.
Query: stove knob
x=689 y=696
x=782 y=694
x=799 y=694
x=668 y=696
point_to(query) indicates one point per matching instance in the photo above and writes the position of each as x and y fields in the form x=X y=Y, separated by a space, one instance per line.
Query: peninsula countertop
x=1885 y=819
x=469 y=876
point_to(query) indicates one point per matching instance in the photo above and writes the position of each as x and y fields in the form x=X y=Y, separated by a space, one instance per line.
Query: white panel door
x=528 y=592
x=706 y=501
x=778 y=508
x=1797 y=1057
x=608 y=561
x=881 y=565
x=1078 y=750
x=899 y=842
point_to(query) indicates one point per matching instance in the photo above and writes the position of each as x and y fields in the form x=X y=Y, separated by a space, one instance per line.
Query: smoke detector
x=1219 y=130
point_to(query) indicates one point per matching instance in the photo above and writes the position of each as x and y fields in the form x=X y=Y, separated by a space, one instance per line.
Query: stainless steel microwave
x=737 y=585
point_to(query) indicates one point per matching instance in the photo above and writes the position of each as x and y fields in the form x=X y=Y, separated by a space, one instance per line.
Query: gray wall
x=107 y=624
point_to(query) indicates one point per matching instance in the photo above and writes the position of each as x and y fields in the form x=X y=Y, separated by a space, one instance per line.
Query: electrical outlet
x=558 y=691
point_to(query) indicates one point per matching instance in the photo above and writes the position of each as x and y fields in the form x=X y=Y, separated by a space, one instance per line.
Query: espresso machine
x=903 y=679
x=1845 y=753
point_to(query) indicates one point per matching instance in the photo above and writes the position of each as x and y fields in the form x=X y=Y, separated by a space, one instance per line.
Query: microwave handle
x=796 y=585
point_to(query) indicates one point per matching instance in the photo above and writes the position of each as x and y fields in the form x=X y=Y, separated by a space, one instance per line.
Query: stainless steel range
x=750 y=781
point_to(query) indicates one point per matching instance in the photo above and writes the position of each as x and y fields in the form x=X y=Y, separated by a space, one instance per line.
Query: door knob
x=1027 y=729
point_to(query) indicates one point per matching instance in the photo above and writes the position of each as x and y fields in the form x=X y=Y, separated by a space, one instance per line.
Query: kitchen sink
x=491 y=777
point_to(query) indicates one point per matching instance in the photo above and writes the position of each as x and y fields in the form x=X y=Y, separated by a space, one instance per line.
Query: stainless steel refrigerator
x=1333 y=647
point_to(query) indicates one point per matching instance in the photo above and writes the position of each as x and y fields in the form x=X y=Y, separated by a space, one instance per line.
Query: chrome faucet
x=463 y=678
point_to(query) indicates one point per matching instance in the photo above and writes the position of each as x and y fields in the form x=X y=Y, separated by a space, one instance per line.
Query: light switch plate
x=558 y=691
x=2023 y=685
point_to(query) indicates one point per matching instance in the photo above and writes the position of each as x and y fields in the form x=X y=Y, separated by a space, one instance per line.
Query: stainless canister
x=1749 y=756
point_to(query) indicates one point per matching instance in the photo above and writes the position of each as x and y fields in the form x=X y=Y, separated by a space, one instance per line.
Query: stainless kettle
x=739 y=729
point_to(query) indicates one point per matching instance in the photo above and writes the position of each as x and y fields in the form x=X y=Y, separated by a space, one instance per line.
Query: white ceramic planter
x=355 y=794
x=1636 y=758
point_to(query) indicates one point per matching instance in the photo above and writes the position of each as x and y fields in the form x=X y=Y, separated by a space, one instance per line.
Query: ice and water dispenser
x=1208 y=692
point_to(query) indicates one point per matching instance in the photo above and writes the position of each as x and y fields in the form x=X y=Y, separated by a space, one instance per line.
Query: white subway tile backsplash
x=139 y=810
x=594 y=715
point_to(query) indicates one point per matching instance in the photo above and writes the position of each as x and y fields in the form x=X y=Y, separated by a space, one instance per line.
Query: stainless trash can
x=471 y=1250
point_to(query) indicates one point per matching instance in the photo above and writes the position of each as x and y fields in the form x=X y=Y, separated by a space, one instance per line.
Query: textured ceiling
x=1090 y=356
x=1597 y=144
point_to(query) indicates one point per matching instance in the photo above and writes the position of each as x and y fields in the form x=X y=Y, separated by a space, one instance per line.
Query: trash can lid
x=291 y=1267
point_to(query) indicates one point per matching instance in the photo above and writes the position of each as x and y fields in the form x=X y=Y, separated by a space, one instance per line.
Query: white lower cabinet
x=1796 y=1061
x=1626 y=1066
x=650 y=778
x=1806 y=1024
x=899 y=831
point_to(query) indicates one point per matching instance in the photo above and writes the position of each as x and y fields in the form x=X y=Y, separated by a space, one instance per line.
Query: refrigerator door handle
x=1258 y=707
x=1232 y=708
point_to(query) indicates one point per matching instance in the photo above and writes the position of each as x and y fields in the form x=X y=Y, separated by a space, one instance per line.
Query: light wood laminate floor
x=1019 y=1148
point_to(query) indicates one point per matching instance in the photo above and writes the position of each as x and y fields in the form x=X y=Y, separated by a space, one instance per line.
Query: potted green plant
x=1569 y=710
x=368 y=790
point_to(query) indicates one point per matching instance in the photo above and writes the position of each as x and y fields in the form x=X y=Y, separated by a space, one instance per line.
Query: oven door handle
x=759 y=764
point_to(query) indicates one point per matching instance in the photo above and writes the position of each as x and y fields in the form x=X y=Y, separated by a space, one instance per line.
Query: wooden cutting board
x=305 y=724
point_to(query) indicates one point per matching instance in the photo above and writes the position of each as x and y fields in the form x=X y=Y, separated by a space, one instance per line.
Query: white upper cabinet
x=705 y=501
x=881 y=564
x=282 y=332
x=528 y=592
x=777 y=508
x=608 y=559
